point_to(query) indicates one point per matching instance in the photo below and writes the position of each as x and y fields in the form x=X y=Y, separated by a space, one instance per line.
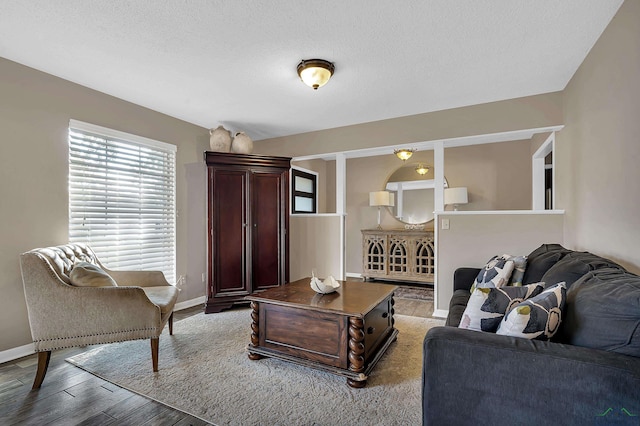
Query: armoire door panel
x=266 y=233
x=230 y=231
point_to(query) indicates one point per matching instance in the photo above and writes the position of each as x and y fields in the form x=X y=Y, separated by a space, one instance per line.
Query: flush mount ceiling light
x=315 y=72
x=404 y=154
x=422 y=169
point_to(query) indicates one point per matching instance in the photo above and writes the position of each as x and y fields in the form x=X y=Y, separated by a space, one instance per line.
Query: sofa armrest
x=138 y=278
x=463 y=278
x=471 y=377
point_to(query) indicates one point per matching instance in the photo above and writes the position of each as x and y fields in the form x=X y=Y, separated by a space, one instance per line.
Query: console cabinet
x=248 y=221
x=399 y=255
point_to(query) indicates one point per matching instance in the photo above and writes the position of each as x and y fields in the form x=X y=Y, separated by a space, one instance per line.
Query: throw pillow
x=519 y=266
x=487 y=306
x=538 y=317
x=85 y=274
x=495 y=273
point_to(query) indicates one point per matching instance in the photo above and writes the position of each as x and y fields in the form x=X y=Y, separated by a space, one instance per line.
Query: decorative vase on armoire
x=247 y=224
x=242 y=144
x=220 y=139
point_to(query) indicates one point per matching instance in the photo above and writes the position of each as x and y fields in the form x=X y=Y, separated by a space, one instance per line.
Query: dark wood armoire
x=248 y=222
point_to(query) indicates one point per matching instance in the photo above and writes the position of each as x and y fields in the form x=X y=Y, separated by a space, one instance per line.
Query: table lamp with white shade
x=381 y=199
x=455 y=196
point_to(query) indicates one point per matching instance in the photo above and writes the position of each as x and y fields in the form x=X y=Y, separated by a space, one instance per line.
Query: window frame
x=167 y=228
x=307 y=174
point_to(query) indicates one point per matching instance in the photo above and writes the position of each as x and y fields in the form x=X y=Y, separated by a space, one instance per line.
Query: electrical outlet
x=182 y=279
x=204 y=277
x=445 y=223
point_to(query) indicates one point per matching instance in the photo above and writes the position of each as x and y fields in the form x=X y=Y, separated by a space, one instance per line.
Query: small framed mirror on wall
x=412 y=186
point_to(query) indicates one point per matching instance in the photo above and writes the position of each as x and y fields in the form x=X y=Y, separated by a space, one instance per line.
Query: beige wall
x=326 y=182
x=513 y=114
x=313 y=244
x=498 y=177
x=35 y=109
x=598 y=152
x=472 y=239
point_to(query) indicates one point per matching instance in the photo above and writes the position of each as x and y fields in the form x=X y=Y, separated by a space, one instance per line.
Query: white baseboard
x=15 y=353
x=440 y=313
x=190 y=303
x=353 y=275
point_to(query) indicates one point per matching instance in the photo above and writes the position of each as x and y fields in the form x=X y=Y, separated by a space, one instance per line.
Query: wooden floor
x=71 y=396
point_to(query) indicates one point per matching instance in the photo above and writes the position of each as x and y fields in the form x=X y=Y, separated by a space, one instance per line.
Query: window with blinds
x=122 y=198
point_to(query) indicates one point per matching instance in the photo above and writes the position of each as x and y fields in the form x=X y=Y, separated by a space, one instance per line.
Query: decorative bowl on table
x=329 y=285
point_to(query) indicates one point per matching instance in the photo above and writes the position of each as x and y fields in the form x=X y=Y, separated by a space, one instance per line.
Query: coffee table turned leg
x=255 y=337
x=356 y=351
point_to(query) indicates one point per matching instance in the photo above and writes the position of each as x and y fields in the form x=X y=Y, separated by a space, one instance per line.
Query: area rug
x=414 y=292
x=204 y=371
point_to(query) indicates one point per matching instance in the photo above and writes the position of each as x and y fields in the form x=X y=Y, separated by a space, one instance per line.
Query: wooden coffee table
x=345 y=332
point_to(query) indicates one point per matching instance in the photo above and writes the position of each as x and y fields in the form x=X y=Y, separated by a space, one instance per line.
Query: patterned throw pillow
x=495 y=273
x=519 y=266
x=538 y=317
x=487 y=306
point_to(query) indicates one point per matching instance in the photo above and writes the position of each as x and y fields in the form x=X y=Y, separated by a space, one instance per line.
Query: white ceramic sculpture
x=329 y=285
x=242 y=144
x=220 y=140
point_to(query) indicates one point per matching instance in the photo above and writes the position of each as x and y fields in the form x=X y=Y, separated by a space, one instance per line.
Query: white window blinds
x=122 y=198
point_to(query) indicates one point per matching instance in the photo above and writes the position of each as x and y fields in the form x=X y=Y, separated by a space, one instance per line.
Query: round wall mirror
x=413 y=193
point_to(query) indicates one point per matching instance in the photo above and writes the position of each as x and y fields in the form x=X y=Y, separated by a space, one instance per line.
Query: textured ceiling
x=233 y=62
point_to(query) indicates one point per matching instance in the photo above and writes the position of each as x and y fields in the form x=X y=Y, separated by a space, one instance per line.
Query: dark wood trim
x=247 y=160
x=313 y=196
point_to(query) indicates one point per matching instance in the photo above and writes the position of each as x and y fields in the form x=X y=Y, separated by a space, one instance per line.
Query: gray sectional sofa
x=588 y=373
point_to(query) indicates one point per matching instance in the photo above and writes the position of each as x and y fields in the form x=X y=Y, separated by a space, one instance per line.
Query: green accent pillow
x=86 y=274
x=486 y=306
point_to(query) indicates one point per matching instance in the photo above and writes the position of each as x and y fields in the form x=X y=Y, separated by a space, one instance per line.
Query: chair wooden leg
x=171 y=324
x=154 y=352
x=43 y=364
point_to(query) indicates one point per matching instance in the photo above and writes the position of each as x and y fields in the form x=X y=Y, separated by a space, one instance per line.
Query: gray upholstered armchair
x=69 y=309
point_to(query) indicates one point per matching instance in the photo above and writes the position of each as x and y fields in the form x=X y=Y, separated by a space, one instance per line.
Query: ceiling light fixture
x=404 y=154
x=422 y=169
x=315 y=72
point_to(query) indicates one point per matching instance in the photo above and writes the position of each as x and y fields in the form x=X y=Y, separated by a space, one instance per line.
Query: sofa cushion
x=538 y=266
x=538 y=317
x=86 y=274
x=603 y=312
x=574 y=265
x=457 y=305
x=540 y=260
x=495 y=273
x=486 y=306
x=547 y=248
